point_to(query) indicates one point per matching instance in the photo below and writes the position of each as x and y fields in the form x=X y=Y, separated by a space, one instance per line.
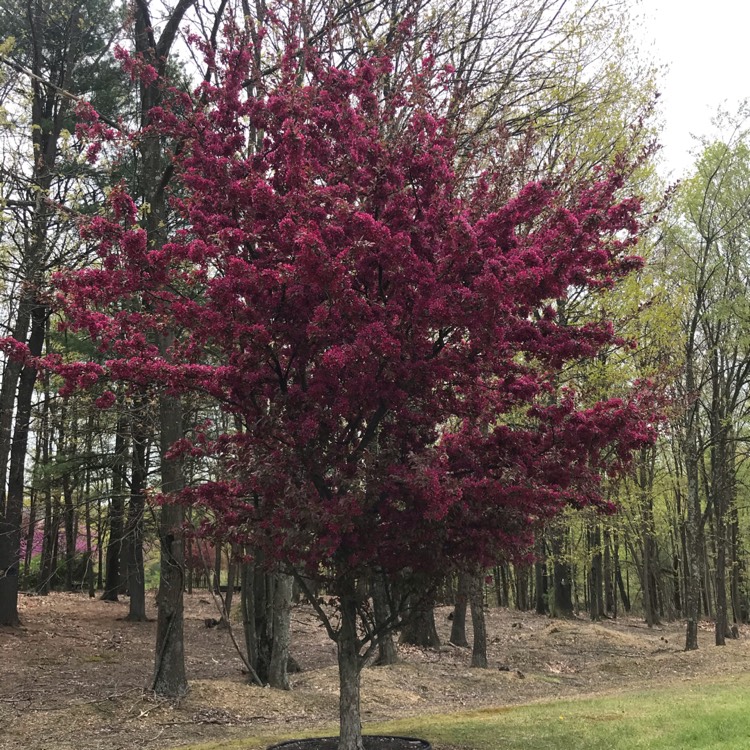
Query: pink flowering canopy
x=385 y=332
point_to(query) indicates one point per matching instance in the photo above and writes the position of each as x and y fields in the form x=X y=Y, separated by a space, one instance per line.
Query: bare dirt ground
x=73 y=676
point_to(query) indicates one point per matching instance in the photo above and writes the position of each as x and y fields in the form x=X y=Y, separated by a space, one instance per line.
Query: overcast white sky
x=706 y=44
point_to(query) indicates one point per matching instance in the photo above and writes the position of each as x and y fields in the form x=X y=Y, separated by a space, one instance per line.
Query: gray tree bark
x=136 y=508
x=170 y=679
x=387 y=652
x=282 y=608
x=458 y=626
x=420 y=629
x=350 y=665
x=479 y=645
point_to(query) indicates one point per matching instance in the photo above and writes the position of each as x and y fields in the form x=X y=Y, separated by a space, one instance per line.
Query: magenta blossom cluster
x=386 y=332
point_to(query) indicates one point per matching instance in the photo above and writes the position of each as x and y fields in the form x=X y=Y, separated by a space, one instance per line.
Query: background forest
x=567 y=87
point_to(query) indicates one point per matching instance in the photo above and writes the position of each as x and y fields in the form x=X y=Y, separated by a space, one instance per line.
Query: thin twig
x=63 y=92
x=219 y=602
x=110 y=697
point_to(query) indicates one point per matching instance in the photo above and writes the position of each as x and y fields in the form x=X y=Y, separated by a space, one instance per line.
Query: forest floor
x=73 y=677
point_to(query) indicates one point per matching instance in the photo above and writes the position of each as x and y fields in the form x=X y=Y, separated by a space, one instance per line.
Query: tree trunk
x=540 y=578
x=350 y=727
x=739 y=605
x=169 y=668
x=723 y=471
x=134 y=530
x=458 y=626
x=10 y=522
x=87 y=518
x=231 y=577
x=247 y=596
x=257 y=614
x=504 y=585
x=676 y=584
x=217 y=567
x=721 y=626
x=112 y=582
x=561 y=575
x=522 y=587
x=609 y=586
x=68 y=440
x=645 y=473
x=420 y=629
x=705 y=579
x=476 y=598
x=596 y=574
x=692 y=546
x=387 y=653
x=265 y=584
x=11 y=374
x=51 y=523
x=70 y=523
x=30 y=532
x=282 y=608
x=99 y=548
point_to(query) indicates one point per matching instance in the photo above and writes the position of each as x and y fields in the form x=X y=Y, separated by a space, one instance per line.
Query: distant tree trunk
x=562 y=574
x=522 y=587
x=645 y=473
x=476 y=599
x=420 y=629
x=458 y=626
x=70 y=522
x=68 y=442
x=609 y=584
x=99 y=548
x=33 y=507
x=705 y=579
x=247 y=604
x=596 y=574
x=624 y=596
x=676 y=583
x=739 y=605
x=190 y=567
x=540 y=578
x=723 y=486
x=54 y=579
x=48 y=543
x=504 y=586
x=282 y=607
x=387 y=653
x=231 y=576
x=217 y=566
x=721 y=626
x=257 y=599
x=498 y=592
x=45 y=440
x=11 y=520
x=8 y=387
x=693 y=546
x=90 y=583
x=112 y=582
x=136 y=508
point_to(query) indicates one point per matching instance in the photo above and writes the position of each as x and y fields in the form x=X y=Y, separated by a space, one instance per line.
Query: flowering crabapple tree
x=385 y=333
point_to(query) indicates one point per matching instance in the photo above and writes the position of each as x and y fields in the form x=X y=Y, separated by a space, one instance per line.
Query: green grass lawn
x=704 y=715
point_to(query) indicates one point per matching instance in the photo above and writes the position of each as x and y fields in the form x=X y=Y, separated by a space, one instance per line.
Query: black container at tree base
x=370 y=741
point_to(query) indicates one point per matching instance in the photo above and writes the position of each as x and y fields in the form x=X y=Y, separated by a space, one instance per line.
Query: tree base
x=371 y=742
